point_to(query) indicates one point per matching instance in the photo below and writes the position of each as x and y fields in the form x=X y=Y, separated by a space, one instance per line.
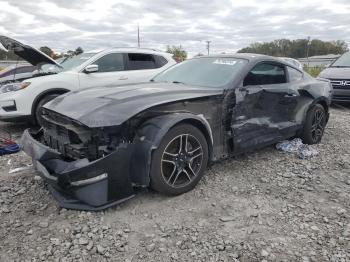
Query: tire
x=175 y=171
x=37 y=114
x=315 y=123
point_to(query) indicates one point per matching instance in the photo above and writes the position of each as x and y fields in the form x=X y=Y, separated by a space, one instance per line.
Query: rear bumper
x=341 y=95
x=82 y=184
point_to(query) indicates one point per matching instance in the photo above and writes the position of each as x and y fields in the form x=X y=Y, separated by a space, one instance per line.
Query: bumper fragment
x=82 y=184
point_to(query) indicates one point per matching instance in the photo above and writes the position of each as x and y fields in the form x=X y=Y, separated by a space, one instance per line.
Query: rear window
x=160 y=61
x=141 y=61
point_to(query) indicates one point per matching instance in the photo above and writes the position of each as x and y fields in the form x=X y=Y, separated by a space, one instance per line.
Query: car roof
x=247 y=56
x=131 y=50
x=251 y=57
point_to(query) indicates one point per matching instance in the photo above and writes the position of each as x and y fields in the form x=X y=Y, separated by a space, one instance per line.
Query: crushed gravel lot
x=262 y=206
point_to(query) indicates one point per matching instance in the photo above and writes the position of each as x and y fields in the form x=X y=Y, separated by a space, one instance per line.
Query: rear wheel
x=180 y=160
x=314 y=125
x=37 y=112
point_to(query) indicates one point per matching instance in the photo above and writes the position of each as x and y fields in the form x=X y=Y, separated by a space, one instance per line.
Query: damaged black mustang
x=99 y=146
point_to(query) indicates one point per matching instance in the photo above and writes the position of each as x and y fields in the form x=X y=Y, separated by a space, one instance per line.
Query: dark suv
x=339 y=75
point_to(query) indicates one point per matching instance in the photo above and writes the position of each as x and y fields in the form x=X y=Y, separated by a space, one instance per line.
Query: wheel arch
x=51 y=91
x=323 y=101
x=150 y=134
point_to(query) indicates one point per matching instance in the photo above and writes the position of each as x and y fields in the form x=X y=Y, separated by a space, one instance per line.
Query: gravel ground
x=263 y=206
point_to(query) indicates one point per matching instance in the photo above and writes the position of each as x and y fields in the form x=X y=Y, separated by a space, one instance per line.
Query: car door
x=295 y=100
x=143 y=67
x=262 y=114
x=111 y=71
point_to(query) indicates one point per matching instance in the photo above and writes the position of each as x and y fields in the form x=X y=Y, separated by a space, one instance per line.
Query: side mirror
x=91 y=69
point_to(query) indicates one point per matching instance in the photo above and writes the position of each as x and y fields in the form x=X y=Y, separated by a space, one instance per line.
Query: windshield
x=75 y=61
x=343 y=61
x=206 y=72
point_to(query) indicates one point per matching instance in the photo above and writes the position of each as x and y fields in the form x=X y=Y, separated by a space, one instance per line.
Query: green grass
x=314 y=71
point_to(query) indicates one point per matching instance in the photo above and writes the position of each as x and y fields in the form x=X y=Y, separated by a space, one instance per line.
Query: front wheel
x=37 y=113
x=314 y=125
x=180 y=160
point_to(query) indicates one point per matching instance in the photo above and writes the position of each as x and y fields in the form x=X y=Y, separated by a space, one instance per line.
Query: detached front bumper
x=82 y=184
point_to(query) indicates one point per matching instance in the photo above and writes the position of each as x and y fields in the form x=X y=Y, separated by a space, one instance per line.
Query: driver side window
x=266 y=74
x=110 y=63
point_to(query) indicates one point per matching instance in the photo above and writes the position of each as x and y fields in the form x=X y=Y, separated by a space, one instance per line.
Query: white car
x=112 y=67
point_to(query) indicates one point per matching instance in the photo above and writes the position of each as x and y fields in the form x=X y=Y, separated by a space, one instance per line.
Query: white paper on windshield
x=225 y=62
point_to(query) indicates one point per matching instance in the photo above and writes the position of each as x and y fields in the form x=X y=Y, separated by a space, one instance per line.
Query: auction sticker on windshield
x=225 y=62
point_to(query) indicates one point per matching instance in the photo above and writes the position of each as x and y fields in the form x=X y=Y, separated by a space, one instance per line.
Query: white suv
x=112 y=67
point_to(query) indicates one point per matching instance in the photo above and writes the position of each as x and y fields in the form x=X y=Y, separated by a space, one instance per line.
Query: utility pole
x=138 y=35
x=208 y=45
x=307 y=50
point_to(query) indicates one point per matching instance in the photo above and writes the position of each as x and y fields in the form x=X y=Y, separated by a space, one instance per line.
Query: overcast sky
x=228 y=24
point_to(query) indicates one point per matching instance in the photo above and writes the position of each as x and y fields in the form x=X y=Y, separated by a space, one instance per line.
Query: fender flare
x=150 y=134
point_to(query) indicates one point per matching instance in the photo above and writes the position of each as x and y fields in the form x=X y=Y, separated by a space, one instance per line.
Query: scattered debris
x=7 y=145
x=19 y=169
x=296 y=146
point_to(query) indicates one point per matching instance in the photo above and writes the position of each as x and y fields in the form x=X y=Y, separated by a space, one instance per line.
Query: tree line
x=297 y=48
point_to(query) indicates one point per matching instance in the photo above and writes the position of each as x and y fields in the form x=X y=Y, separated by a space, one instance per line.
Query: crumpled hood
x=28 y=53
x=109 y=106
x=336 y=73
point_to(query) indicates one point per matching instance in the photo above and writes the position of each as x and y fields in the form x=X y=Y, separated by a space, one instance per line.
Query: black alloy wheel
x=314 y=126
x=180 y=161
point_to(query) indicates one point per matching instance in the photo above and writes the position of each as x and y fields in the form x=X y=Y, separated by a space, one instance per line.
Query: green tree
x=297 y=48
x=46 y=50
x=178 y=52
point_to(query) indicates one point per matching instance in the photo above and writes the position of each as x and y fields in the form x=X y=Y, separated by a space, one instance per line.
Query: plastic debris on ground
x=7 y=145
x=20 y=169
x=297 y=147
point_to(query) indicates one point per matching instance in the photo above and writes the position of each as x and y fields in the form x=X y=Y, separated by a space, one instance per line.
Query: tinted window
x=266 y=74
x=110 y=63
x=160 y=61
x=141 y=61
x=205 y=72
x=294 y=75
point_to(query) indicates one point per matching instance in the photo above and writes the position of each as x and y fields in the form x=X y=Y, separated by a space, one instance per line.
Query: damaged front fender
x=150 y=135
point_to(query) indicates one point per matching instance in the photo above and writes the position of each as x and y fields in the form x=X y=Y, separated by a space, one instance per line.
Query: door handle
x=123 y=78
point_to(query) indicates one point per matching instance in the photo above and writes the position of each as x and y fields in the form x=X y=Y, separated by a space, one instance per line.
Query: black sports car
x=98 y=146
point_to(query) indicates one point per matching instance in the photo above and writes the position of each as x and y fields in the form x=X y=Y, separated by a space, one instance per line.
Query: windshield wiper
x=178 y=82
